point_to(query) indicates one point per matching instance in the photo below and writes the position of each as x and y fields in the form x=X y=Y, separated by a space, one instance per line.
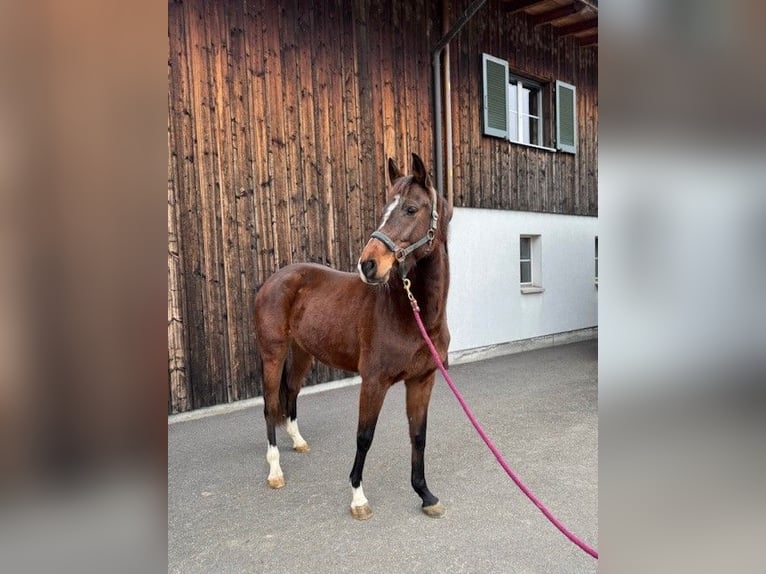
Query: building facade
x=281 y=117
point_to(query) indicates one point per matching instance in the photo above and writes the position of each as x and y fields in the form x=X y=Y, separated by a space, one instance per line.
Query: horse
x=363 y=322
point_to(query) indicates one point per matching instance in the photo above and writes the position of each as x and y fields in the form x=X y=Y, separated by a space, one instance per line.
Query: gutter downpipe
x=448 y=176
x=438 y=97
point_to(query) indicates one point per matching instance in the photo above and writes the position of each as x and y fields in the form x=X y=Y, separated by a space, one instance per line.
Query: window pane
x=524 y=99
x=525 y=250
x=534 y=131
x=528 y=130
x=596 y=257
x=532 y=101
x=526 y=272
x=513 y=97
x=513 y=127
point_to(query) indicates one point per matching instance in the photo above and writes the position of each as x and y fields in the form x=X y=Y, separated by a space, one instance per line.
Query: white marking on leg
x=292 y=429
x=275 y=471
x=359 y=499
x=389 y=210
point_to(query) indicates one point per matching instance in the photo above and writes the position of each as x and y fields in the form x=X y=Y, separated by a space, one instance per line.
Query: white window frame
x=516 y=91
x=536 y=268
x=523 y=260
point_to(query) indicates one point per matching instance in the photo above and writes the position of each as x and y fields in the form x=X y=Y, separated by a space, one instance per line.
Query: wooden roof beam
x=518 y=5
x=556 y=13
x=591 y=40
x=578 y=27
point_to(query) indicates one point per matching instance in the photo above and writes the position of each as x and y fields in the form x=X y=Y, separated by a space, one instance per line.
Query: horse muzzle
x=375 y=263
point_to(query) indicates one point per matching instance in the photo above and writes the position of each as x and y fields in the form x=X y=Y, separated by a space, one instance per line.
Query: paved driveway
x=540 y=408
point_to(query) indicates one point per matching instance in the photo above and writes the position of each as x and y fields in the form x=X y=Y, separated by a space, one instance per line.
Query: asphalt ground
x=539 y=407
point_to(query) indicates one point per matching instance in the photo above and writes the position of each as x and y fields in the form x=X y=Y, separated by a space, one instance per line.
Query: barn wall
x=281 y=116
x=494 y=173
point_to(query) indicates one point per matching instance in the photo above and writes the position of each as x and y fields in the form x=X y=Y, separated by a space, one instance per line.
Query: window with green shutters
x=518 y=109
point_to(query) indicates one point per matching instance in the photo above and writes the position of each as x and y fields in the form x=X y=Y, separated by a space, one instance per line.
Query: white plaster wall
x=485 y=305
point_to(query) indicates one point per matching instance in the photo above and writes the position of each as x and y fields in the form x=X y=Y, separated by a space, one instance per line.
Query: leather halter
x=401 y=253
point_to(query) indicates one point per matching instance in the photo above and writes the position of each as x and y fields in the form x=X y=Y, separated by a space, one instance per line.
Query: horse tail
x=283 y=392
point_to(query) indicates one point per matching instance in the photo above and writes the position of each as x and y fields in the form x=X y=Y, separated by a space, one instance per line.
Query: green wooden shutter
x=566 y=117
x=495 y=72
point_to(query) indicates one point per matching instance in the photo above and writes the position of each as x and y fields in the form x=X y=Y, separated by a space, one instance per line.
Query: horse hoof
x=302 y=448
x=277 y=482
x=435 y=510
x=361 y=512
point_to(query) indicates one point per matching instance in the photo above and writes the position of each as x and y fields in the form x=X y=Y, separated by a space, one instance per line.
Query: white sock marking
x=359 y=499
x=389 y=210
x=295 y=434
x=272 y=456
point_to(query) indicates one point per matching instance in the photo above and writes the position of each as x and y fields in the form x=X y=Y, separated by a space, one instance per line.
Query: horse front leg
x=418 y=398
x=371 y=397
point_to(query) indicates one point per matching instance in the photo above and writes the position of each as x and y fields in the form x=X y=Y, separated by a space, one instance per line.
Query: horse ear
x=393 y=171
x=419 y=172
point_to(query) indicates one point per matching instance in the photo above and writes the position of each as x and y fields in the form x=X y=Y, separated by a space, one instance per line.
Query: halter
x=401 y=253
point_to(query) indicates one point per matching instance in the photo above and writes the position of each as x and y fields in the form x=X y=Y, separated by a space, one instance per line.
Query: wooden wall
x=493 y=173
x=281 y=115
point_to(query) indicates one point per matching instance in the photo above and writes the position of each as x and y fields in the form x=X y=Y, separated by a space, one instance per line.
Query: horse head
x=414 y=224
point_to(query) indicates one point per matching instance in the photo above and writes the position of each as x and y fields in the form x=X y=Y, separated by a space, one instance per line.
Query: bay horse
x=363 y=322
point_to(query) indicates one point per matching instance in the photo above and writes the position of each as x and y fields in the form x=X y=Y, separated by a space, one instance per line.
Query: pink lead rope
x=488 y=441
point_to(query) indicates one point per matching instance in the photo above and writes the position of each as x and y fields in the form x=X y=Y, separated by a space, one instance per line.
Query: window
x=525 y=260
x=596 y=260
x=530 y=268
x=518 y=109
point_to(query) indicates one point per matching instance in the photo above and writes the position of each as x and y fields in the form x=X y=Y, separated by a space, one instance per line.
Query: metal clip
x=410 y=296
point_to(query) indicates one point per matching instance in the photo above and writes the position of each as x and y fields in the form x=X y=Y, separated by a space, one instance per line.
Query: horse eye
x=412 y=210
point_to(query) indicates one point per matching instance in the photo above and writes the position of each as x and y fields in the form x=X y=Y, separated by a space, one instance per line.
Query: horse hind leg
x=274 y=410
x=298 y=367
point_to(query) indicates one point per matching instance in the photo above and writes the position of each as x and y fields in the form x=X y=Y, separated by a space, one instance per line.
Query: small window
x=596 y=259
x=525 y=260
x=530 y=268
